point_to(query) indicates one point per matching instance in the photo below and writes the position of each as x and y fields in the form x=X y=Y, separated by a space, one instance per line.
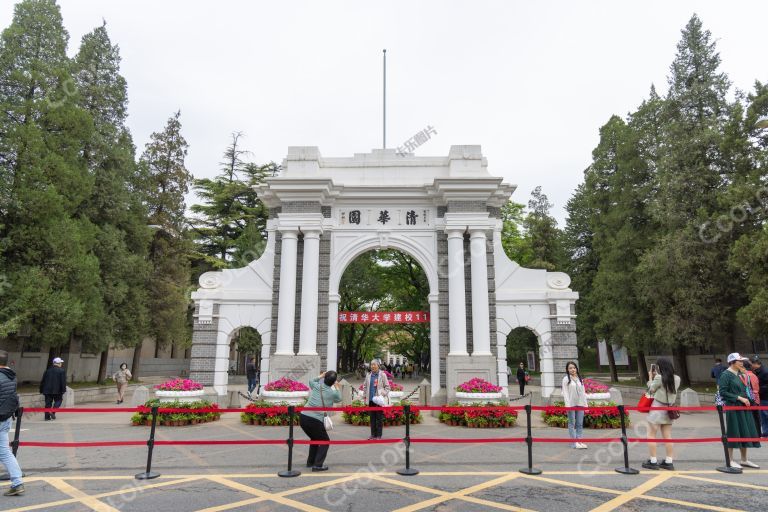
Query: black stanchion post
x=530 y=470
x=724 y=437
x=408 y=470
x=626 y=470
x=290 y=472
x=149 y=474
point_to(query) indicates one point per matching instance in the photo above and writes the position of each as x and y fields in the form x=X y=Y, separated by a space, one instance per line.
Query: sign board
x=620 y=354
x=383 y=317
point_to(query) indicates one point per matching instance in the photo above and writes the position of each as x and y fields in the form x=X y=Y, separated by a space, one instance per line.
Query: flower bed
x=478 y=385
x=592 y=386
x=263 y=412
x=179 y=385
x=286 y=384
x=392 y=416
x=593 y=418
x=177 y=419
x=285 y=391
x=457 y=415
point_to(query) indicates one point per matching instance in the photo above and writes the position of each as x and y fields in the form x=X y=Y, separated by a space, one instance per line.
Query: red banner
x=383 y=317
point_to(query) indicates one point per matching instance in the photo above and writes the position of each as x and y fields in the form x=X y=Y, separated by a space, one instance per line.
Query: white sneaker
x=749 y=464
x=735 y=465
x=581 y=446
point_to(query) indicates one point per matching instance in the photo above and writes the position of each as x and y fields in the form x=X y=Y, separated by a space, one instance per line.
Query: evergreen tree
x=165 y=181
x=46 y=241
x=541 y=230
x=123 y=236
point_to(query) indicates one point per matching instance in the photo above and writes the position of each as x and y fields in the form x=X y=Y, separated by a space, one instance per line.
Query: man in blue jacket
x=9 y=402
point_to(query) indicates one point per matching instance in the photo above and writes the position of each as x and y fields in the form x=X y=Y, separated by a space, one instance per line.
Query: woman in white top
x=574 y=396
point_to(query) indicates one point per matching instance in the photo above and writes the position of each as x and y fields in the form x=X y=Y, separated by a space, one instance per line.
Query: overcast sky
x=532 y=82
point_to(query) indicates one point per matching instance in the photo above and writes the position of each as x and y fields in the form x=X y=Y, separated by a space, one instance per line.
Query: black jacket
x=54 y=381
x=520 y=375
x=250 y=370
x=9 y=400
x=762 y=378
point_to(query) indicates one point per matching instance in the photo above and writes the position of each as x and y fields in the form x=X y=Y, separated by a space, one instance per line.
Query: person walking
x=662 y=385
x=53 y=385
x=250 y=373
x=324 y=391
x=574 y=396
x=739 y=424
x=522 y=377
x=762 y=378
x=122 y=377
x=376 y=392
x=9 y=403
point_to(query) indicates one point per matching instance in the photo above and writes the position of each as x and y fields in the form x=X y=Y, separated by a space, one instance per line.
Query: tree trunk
x=611 y=362
x=103 y=366
x=136 y=363
x=730 y=342
x=173 y=351
x=681 y=364
x=642 y=366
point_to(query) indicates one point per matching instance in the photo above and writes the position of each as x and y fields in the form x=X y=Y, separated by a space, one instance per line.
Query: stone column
x=286 y=312
x=457 y=309
x=481 y=327
x=434 y=342
x=333 y=329
x=309 y=286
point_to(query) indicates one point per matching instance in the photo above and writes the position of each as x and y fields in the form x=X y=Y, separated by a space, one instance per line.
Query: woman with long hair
x=662 y=385
x=574 y=396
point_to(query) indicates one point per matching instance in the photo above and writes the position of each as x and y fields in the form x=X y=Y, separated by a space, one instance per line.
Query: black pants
x=55 y=401
x=522 y=387
x=377 y=421
x=315 y=430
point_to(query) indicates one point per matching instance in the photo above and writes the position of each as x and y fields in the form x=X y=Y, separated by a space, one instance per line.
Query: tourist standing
x=574 y=396
x=250 y=373
x=122 y=378
x=53 y=385
x=717 y=370
x=662 y=385
x=753 y=385
x=522 y=377
x=740 y=424
x=376 y=392
x=762 y=378
x=9 y=403
x=324 y=391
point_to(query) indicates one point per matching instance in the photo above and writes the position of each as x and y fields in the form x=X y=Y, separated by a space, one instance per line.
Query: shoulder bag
x=673 y=415
x=327 y=423
x=644 y=404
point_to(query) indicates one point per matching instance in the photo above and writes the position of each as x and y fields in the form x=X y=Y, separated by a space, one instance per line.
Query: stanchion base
x=732 y=471
x=289 y=474
x=627 y=471
x=407 y=471
x=530 y=471
x=147 y=476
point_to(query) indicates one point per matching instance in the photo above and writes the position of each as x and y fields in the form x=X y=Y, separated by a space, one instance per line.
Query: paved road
x=474 y=477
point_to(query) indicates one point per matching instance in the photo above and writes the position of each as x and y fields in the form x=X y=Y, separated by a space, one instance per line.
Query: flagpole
x=384 y=117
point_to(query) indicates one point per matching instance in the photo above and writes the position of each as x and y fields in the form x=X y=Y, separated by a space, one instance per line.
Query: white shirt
x=573 y=392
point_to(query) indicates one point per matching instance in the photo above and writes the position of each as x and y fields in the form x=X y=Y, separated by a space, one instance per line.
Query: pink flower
x=593 y=386
x=285 y=384
x=478 y=385
x=179 y=385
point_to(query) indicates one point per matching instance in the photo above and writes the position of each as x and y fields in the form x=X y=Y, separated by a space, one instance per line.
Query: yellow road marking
x=634 y=493
x=565 y=483
x=429 y=490
x=87 y=500
x=266 y=495
x=731 y=484
x=101 y=495
x=469 y=490
x=689 y=504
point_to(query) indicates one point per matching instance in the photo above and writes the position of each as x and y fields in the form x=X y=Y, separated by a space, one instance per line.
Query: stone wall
x=203 y=359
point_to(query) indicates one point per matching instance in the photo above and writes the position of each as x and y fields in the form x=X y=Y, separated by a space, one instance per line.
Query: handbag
x=644 y=404
x=327 y=423
x=527 y=377
x=673 y=415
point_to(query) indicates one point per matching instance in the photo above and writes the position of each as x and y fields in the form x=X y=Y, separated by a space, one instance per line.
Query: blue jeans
x=575 y=424
x=6 y=455
x=252 y=384
x=764 y=417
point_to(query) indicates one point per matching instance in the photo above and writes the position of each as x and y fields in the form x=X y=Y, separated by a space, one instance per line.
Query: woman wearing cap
x=122 y=377
x=740 y=424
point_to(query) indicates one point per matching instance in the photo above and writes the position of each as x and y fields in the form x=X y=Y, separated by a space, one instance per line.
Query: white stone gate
x=442 y=211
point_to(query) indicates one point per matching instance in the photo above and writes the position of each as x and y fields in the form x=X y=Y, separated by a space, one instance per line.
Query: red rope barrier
x=462 y=441
x=220 y=442
x=82 y=445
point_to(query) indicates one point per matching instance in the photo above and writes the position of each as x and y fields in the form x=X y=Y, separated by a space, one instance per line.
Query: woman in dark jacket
x=521 y=375
x=53 y=385
x=734 y=392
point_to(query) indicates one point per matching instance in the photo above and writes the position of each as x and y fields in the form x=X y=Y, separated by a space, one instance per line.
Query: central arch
x=426 y=257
